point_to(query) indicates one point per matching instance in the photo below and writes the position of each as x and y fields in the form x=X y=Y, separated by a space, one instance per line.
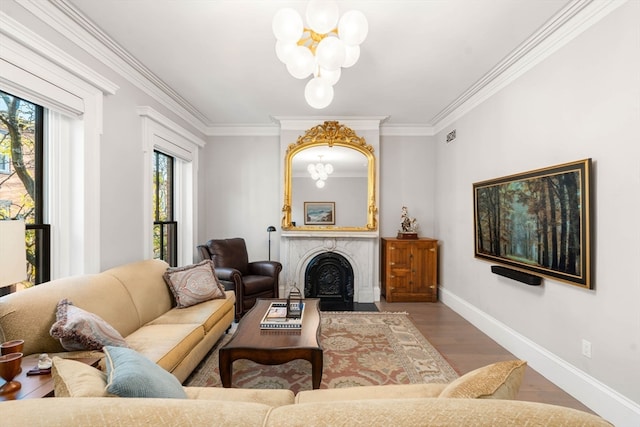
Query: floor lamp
x=270 y=229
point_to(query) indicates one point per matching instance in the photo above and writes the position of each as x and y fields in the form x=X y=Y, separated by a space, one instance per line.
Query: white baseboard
x=597 y=396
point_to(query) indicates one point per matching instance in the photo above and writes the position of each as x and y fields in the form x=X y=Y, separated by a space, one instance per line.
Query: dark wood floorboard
x=466 y=348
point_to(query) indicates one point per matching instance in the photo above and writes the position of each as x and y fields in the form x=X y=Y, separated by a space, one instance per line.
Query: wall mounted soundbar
x=529 y=279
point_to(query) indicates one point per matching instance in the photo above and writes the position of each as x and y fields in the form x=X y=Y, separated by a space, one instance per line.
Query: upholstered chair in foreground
x=249 y=280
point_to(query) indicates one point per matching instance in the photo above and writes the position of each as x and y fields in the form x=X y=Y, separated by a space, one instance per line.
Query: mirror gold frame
x=331 y=133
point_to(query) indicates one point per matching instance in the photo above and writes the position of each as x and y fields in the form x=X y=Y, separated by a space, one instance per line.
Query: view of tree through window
x=164 y=227
x=21 y=128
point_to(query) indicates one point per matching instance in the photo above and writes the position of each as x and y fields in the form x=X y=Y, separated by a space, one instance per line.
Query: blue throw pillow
x=130 y=374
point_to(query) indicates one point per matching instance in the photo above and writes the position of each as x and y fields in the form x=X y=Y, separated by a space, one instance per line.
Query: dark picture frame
x=319 y=213
x=538 y=222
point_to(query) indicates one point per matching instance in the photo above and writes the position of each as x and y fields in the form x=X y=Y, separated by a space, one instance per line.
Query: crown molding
x=243 y=130
x=167 y=123
x=572 y=20
x=568 y=23
x=24 y=36
x=406 y=130
x=63 y=17
x=304 y=123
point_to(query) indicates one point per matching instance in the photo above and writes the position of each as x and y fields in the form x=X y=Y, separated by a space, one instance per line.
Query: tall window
x=165 y=241
x=21 y=179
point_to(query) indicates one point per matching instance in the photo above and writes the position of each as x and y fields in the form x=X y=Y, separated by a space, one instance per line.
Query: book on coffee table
x=276 y=318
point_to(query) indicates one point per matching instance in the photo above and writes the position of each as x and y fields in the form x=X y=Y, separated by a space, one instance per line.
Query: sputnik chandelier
x=322 y=48
x=320 y=172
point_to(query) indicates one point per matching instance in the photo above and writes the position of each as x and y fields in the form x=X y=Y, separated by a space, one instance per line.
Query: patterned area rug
x=360 y=349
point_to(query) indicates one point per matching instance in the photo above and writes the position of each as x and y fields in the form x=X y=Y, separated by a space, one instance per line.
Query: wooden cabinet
x=409 y=270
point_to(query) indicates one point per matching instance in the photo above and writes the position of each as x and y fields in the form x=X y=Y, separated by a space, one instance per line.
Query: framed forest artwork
x=538 y=222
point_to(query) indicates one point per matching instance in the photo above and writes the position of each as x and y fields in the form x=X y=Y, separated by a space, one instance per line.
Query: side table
x=37 y=386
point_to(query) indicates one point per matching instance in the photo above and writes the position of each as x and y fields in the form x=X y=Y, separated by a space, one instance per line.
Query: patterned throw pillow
x=130 y=374
x=78 y=329
x=194 y=284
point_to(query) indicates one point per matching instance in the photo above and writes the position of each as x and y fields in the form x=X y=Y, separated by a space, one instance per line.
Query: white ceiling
x=419 y=58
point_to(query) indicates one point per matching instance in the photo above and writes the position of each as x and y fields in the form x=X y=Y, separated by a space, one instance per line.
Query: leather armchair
x=249 y=280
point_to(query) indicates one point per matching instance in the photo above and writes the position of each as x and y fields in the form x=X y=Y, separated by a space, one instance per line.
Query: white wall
x=241 y=190
x=583 y=101
x=407 y=178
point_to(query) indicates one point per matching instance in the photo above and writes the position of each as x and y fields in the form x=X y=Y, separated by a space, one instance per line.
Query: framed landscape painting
x=319 y=213
x=538 y=222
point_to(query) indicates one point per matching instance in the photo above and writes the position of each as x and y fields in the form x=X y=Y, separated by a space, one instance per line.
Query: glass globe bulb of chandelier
x=320 y=183
x=287 y=25
x=284 y=50
x=331 y=77
x=328 y=168
x=318 y=93
x=352 y=54
x=353 y=28
x=330 y=53
x=301 y=62
x=322 y=15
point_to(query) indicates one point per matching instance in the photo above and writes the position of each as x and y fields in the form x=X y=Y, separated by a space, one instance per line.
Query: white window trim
x=162 y=134
x=33 y=68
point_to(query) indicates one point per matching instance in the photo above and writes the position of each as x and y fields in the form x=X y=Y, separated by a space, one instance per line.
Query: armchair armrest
x=203 y=252
x=265 y=268
x=229 y=275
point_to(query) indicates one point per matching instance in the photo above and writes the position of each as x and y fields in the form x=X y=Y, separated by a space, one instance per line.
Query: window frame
x=162 y=134
x=73 y=94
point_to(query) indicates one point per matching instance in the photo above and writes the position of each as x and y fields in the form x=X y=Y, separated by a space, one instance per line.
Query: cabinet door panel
x=409 y=269
x=425 y=268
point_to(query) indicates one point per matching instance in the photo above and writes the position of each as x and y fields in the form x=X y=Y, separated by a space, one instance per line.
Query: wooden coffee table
x=274 y=347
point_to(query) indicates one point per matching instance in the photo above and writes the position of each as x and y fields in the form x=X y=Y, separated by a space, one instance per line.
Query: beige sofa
x=241 y=411
x=478 y=398
x=135 y=300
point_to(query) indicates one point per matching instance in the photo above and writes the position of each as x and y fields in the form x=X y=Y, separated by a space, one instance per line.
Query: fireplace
x=357 y=250
x=329 y=276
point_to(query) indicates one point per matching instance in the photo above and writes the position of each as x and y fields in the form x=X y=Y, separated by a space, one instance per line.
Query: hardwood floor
x=466 y=348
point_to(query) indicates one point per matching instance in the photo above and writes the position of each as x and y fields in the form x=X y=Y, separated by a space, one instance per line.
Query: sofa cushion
x=499 y=380
x=193 y=284
x=167 y=345
x=207 y=313
x=390 y=391
x=269 y=397
x=77 y=329
x=130 y=374
x=72 y=378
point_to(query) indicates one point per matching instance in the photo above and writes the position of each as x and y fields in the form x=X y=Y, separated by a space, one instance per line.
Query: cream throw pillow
x=500 y=380
x=76 y=379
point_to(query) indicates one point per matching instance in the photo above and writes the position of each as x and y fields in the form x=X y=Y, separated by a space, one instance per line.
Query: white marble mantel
x=298 y=248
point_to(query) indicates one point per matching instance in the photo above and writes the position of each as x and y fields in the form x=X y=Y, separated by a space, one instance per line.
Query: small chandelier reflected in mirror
x=320 y=172
x=322 y=48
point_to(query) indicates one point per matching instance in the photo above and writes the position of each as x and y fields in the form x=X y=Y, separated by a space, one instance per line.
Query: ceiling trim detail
x=20 y=34
x=71 y=23
x=571 y=21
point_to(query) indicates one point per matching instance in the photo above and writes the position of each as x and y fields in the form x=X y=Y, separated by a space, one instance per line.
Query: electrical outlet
x=586 y=348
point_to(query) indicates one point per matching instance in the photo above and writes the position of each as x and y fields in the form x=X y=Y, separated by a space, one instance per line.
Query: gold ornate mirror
x=329 y=181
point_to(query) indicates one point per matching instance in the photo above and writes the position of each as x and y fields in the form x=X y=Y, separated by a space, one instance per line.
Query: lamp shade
x=13 y=253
